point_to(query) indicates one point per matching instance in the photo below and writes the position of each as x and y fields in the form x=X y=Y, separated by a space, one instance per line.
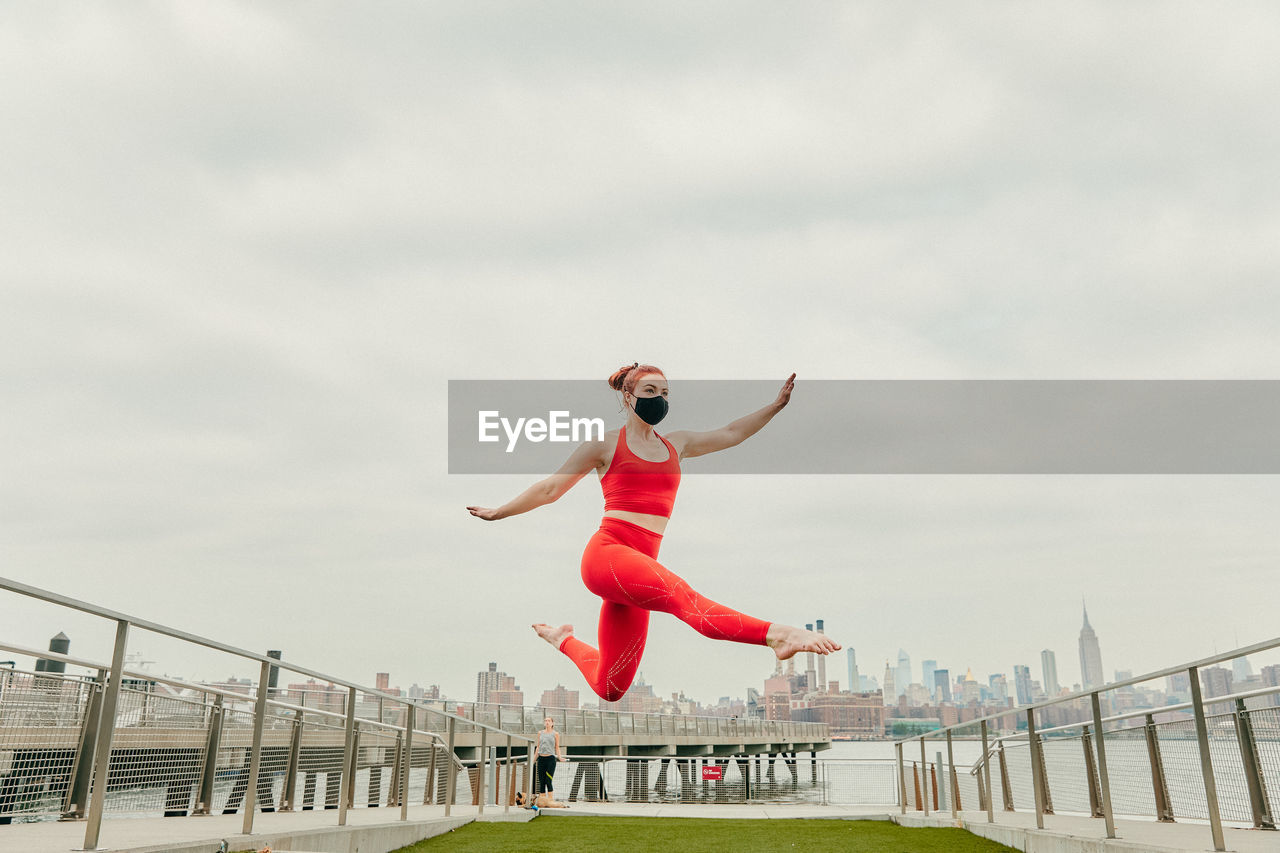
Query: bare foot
x=554 y=636
x=787 y=641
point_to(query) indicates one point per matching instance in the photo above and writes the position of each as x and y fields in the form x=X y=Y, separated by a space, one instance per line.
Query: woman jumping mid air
x=639 y=474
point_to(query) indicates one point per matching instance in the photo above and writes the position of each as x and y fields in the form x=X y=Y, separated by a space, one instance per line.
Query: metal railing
x=1219 y=761
x=167 y=746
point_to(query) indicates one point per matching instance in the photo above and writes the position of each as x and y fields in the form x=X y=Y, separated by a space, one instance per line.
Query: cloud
x=247 y=246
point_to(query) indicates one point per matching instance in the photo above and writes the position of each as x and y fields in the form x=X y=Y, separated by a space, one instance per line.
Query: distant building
x=970 y=691
x=1022 y=683
x=639 y=699
x=1216 y=681
x=856 y=715
x=1090 y=656
x=902 y=675
x=1049 y=670
x=1241 y=671
x=855 y=681
x=890 y=692
x=1270 y=676
x=926 y=675
x=777 y=698
x=315 y=694
x=497 y=688
x=999 y=688
x=432 y=692
x=942 y=685
x=560 y=697
x=382 y=680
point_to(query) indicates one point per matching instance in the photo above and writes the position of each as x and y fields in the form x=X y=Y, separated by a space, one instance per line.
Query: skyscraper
x=1241 y=671
x=902 y=677
x=926 y=675
x=942 y=685
x=890 y=691
x=1049 y=669
x=1022 y=683
x=854 y=681
x=497 y=688
x=1090 y=655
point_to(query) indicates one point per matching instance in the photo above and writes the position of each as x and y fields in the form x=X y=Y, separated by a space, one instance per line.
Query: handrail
x=216 y=691
x=804 y=728
x=1181 y=706
x=1105 y=688
x=155 y=627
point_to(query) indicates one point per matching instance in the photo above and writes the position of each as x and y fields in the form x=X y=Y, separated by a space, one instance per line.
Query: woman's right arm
x=589 y=455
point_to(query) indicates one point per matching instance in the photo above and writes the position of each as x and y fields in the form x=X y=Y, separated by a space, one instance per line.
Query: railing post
x=1206 y=761
x=255 y=754
x=1091 y=773
x=348 y=760
x=76 y=802
x=902 y=779
x=204 y=799
x=986 y=772
x=106 y=728
x=1159 y=786
x=481 y=765
x=511 y=780
x=451 y=781
x=1262 y=817
x=941 y=785
x=1103 y=778
x=1006 y=789
x=393 y=786
x=1037 y=768
x=528 y=772
x=407 y=762
x=290 y=791
x=955 y=783
x=924 y=781
x=429 y=790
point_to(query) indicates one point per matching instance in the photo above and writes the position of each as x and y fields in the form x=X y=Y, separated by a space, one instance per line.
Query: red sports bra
x=633 y=484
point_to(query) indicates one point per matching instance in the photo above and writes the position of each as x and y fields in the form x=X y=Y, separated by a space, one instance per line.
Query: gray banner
x=893 y=426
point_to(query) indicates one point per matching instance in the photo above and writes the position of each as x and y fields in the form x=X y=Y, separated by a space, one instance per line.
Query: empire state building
x=1090 y=656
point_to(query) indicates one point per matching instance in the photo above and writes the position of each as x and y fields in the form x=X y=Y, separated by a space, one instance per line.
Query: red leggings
x=619 y=565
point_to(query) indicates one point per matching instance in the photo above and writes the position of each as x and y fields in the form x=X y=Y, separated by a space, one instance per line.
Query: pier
x=193 y=764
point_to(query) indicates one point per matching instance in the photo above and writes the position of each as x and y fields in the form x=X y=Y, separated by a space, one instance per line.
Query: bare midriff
x=656 y=523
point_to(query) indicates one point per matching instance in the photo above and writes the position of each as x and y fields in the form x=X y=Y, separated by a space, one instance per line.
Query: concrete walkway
x=295 y=831
x=380 y=829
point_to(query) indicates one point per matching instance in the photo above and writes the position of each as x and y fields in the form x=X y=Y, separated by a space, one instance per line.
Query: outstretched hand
x=784 y=396
x=483 y=513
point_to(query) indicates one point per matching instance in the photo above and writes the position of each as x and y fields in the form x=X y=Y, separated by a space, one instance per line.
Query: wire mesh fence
x=41 y=726
x=738 y=779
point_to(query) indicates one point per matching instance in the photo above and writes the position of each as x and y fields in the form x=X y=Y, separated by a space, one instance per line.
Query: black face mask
x=651 y=409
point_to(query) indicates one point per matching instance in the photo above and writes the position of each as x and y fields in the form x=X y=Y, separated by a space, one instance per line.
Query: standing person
x=639 y=472
x=548 y=750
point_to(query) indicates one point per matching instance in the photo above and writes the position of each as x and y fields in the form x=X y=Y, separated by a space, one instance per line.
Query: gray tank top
x=546 y=743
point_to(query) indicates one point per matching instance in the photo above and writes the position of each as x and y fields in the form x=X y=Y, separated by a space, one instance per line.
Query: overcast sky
x=247 y=245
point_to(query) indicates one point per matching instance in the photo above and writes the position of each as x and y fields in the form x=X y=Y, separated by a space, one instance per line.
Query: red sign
x=711 y=772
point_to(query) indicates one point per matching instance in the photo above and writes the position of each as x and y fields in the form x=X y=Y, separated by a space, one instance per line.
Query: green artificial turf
x=642 y=834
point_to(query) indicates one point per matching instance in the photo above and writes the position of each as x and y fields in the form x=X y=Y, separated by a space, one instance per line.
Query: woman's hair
x=624 y=378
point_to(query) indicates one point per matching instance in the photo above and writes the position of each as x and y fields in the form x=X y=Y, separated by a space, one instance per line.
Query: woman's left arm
x=701 y=443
